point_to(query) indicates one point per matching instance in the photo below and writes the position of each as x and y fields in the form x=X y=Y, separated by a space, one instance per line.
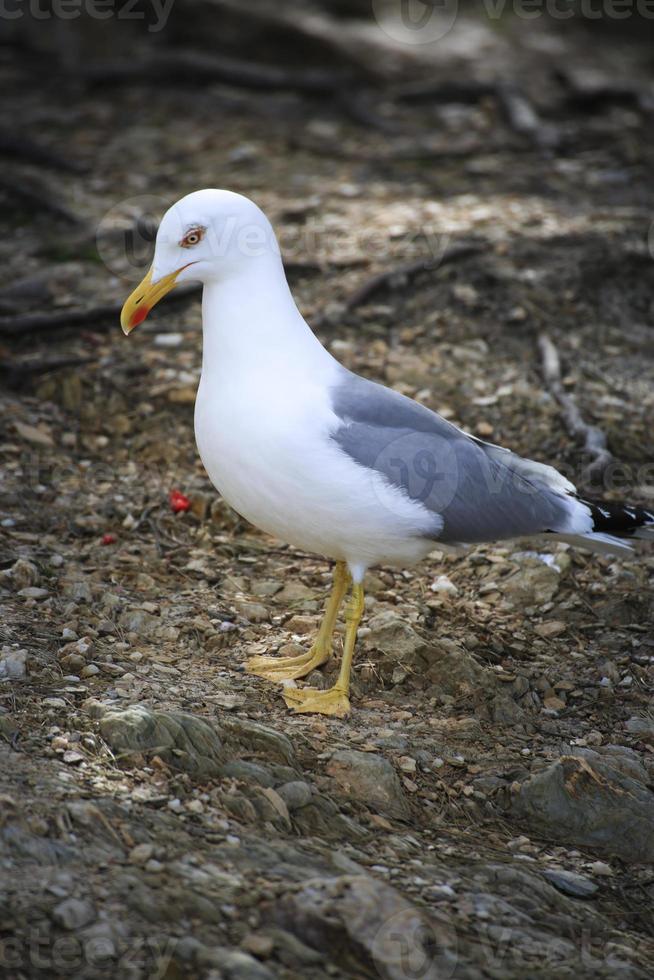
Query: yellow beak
x=146 y=295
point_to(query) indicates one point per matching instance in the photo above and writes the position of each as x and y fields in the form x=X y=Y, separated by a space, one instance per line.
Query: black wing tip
x=620 y=520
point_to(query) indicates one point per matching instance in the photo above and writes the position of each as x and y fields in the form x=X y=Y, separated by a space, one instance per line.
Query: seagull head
x=207 y=236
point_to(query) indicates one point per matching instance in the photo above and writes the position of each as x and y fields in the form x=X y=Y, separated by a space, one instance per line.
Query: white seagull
x=329 y=461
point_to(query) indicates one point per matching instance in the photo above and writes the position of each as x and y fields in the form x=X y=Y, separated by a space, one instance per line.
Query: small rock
x=444 y=585
x=258 y=945
x=600 y=868
x=570 y=883
x=168 y=339
x=73 y=913
x=642 y=727
x=36 y=435
x=90 y=670
x=13 y=664
x=552 y=703
x=22 y=574
x=550 y=628
x=141 y=853
x=33 y=592
x=295 y=794
x=254 y=612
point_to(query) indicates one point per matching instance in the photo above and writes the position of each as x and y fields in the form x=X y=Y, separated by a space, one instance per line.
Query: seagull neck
x=251 y=320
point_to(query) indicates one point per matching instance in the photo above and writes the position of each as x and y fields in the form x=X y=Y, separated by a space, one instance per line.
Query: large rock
x=537 y=578
x=184 y=741
x=370 y=778
x=367 y=927
x=440 y=661
x=593 y=801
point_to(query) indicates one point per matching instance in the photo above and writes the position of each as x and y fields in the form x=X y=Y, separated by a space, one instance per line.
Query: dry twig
x=403 y=274
x=594 y=439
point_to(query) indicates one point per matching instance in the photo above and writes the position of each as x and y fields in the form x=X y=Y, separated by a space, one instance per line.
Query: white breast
x=265 y=443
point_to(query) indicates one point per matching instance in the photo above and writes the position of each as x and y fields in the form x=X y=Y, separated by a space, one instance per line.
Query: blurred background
x=463 y=194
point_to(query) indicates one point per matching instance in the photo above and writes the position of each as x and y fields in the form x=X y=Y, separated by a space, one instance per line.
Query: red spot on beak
x=139 y=315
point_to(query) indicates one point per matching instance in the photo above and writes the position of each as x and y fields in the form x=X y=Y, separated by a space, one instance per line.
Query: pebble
x=553 y=703
x=73 y=913
x=439 y=893
x=13 y=664
x=33 y=592
x=570 y=883
x=643 y=727
x=168 y=339
x=90 y=670
x=600 y=868
x=258 y=945
x=444 y=585
x=22 y=574
x=295 y=794
x=141 y=853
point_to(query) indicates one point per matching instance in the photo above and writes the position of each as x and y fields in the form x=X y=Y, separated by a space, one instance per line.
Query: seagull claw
x=288 y=668
x=334 y=701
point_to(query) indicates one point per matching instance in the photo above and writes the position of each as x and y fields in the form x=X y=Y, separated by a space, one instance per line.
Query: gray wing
x=480 y=492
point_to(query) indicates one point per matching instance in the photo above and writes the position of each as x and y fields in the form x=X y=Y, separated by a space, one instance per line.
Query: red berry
x=178 y=501
x=108 y=538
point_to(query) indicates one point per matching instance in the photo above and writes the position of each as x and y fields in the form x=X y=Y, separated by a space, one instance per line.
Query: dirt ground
x=487 y=809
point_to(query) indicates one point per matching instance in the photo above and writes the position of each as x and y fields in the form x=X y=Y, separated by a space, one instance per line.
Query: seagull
x=328 y=461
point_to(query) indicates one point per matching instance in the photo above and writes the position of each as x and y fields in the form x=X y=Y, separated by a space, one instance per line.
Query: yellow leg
x=335 y=700
x=288 y=668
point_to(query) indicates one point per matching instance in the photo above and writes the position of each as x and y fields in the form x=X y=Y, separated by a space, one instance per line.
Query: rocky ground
x=487 y=810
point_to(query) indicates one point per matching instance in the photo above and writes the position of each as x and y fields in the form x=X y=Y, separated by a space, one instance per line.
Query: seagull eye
x=192 y=237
